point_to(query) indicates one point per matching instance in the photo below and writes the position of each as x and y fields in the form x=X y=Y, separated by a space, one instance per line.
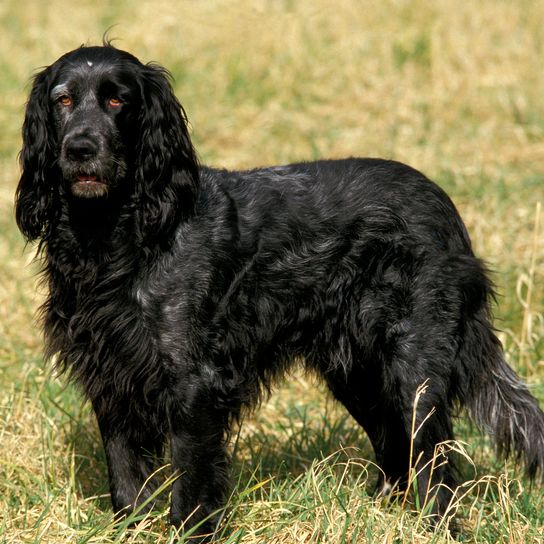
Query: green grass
x=455 y=89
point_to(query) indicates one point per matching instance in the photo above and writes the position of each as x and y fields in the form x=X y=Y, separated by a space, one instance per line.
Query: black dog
x=177 y=293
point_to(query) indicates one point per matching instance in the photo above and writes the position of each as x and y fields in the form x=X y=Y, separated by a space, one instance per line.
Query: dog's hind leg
x=426 y=416
x=361 y=394
x=404 y=436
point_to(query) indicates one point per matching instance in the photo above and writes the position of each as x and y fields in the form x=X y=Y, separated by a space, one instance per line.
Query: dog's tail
x=497 y=399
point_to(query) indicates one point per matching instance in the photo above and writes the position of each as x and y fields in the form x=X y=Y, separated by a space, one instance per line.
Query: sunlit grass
x=455 y=89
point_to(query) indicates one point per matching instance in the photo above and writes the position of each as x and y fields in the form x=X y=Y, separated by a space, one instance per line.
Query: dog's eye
x=65 y=100
x=114 y=102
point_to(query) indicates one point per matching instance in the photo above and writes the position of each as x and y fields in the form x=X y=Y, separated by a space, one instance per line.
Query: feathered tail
x=497 y=399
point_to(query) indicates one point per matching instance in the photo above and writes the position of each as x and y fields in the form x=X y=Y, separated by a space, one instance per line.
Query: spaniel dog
x=178 y=292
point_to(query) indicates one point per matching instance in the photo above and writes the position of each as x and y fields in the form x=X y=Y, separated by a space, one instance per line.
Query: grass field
x=453 y=88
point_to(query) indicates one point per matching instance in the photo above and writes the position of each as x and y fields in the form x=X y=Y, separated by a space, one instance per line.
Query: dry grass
x=453 y=88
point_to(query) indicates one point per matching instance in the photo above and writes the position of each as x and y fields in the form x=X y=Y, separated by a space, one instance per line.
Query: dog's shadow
x=305 y=434
x=272 y=443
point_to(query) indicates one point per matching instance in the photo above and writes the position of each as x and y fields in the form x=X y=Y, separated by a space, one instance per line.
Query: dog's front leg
x=130 y=446
x=199 y=460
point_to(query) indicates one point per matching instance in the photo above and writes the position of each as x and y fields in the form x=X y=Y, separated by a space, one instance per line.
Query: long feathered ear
x=34 y=199
x=166 y=165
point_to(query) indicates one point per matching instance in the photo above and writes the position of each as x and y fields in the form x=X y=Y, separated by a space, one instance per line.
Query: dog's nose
x=81 y=148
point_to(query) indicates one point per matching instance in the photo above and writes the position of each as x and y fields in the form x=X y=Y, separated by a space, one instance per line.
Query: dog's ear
x=37 y=189
x=166 y=165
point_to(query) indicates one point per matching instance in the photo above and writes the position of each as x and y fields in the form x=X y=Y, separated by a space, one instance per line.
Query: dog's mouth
x=89 y=186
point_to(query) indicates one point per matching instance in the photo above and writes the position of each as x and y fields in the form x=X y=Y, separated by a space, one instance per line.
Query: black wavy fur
x=178 y=292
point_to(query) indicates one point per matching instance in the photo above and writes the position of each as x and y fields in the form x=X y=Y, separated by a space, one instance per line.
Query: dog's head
x=100 y=124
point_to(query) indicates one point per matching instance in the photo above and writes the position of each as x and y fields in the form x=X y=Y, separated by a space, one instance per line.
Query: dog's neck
x=96 y=223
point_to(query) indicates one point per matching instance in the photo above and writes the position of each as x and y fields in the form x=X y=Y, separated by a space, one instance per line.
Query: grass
x=455 y=89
